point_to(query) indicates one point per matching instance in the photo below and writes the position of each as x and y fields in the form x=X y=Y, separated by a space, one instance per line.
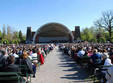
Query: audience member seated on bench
x=109 y=75
x=3 y=59
x=111 y=54
x=95 y=60
x=80 y=54
x=11 y=67
x=41 y=58
x=106 y=65
x=26 y=62
x=34 y=60
x=106 y=59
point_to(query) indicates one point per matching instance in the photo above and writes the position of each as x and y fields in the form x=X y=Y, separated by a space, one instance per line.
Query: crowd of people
x=27 y=58
x=23 y=58
x=95 y=55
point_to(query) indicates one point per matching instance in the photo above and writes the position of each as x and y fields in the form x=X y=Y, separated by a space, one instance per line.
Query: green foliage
x=94 y=40
x=106 y=22
x=4 y=41
x=94 y=35
x=0 y=34
x=112 y=38
x=101 y=40
x=15 y=35
x=21 y=38
x=15 y=41
x=20 y=35
x=11 y=37
x=87 y=35
x=4 y=32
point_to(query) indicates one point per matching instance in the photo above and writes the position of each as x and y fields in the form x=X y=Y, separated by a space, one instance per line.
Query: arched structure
x=53 y=32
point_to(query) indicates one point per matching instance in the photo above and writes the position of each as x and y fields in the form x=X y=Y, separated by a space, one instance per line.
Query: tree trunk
x=110 y=34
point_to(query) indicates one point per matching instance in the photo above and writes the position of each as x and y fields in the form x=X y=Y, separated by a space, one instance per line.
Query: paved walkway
x=59 y=68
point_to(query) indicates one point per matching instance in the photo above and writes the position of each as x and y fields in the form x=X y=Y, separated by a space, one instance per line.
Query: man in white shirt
x=35 y=61
x=81 y=53
x=107 y=65
x=107 y=59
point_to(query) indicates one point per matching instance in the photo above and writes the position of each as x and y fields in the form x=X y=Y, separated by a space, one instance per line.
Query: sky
x=19 y=14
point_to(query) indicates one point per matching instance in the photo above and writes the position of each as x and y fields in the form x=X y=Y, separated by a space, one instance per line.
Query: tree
x=4 y=31
x=15 y=35
x=87 y=34
x=106 y=22
x=0 y=34
x=20 y=36
x=5 y=41
x=9 y=34
x=15 y=41
x=24 y=39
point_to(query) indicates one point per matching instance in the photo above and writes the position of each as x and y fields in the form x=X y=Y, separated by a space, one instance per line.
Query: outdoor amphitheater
x=53 y=54
x=56 y=41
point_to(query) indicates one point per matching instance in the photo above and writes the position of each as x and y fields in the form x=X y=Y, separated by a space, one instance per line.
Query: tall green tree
x=16 y=37
x=0 y=34
x=4 y=31
x=20 y=36
x=9 y=34
x=106 y=22
x=87 y=34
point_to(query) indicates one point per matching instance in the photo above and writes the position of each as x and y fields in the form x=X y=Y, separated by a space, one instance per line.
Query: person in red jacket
x=41 y=57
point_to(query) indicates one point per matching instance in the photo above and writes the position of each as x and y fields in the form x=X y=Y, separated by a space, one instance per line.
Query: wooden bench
x=98 y=72
x=11 y=76
x=85 y=59
x=27 y=75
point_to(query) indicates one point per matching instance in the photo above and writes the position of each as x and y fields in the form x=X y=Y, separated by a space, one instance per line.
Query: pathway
x=59 y=68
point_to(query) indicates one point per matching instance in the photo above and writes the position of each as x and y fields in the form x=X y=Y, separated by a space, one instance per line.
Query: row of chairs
x=9 y=77
x=95 y=72
x=15 y=77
